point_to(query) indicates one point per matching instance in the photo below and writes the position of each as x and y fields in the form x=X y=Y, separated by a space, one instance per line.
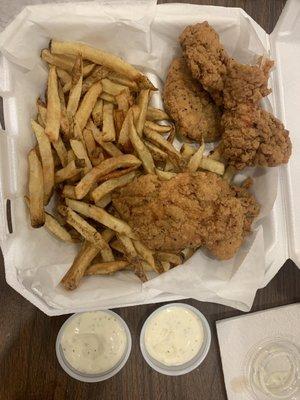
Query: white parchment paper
x=135 y=31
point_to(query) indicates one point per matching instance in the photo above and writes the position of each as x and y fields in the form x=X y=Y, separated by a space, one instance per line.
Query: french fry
x=145 y=253
x=62 y=209
x=117 y=174
x=165 y=175
x=104 y=201
x=172 y=258
x=108 y=97
x=142 y=151
x=77 y=131
x=117 y=245
x=108 y=234
x=36 y=190
x=169 y=167
x=157 y=153
x=108 y=186
x=107 y=166
x=80 y=153
x=53 y=226
x=69 y=192
x=187 y=253
x=83 y=259
x=165 y=265
x=119 y=116
x=61 y=151
x=75 y=92
x=106 y=268
x=155 y=114
x=64 y=120
x=67 y=172
x=195 y=160
x=99 y=72
x=64 y=76
x=172 y=134
x=53 y=107
x=113 y=88
x=95 y=153
x=101 y=216
x=109 y=132
x=123 y=80
x=109 y=147
x=124 y=139
x=212 y=165
x=97 y=113
x=87 y=69
x=70 y=156
x=143 y=101
x=88 y=102
x=132 y=256
x=229 y=173
x=60 y=61
x=42 y=111
x=102 y=58
x=187 y=151
x=46 y=159
x=90 y=234
x=159 y=141
x=123 y=101
x=157 y=128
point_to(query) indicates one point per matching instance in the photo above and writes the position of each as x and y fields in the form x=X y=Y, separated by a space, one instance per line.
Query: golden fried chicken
x=190 y=106
x=246 y=84
x=190 y=210
x=229 y=82
x=252 y=137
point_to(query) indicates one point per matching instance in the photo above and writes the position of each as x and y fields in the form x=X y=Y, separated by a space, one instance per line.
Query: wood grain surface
x=28 y=366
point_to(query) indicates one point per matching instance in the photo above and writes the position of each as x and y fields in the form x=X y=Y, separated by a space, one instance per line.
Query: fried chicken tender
x=229 y=82
x=206 y=57
x=246 y=84
x=253 y=136
x=190 y=106
x=190 y=210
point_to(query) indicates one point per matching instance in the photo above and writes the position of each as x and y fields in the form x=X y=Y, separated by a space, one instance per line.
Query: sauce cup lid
x=83 y=377
x=191 y=364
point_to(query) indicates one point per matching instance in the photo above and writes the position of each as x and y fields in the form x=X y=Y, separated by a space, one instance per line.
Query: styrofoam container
x=280 y=229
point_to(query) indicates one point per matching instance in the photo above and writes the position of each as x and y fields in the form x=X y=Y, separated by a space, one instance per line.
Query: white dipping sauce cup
x=188 y=366
x=93 y=377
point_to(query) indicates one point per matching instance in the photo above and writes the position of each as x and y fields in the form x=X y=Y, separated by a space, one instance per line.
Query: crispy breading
x=206 y=57
x=189 y=210
x=246 y=84
x=253 y=136
x=229 y=82
x=190 y=106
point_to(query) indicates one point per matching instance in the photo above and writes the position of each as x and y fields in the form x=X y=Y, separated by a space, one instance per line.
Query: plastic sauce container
x=93 y=346
x=175 y=339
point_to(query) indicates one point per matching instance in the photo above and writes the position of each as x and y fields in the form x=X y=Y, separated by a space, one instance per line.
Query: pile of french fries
x=95 y=133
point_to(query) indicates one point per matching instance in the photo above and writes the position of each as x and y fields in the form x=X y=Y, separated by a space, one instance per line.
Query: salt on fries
x=95 y=133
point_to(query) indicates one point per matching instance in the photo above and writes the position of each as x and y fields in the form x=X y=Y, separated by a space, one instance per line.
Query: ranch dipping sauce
x=174 y=335
x=93 y=342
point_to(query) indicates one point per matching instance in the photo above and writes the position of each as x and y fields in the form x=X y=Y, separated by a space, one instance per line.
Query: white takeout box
x=145 y=34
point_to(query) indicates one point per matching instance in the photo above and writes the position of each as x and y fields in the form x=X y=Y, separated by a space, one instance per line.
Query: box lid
x=285 y=49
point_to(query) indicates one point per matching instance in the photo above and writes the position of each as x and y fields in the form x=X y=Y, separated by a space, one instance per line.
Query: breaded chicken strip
x=190 y=106
x=205 y=57
x=229 y=82
x=246 y=84
x=252 y=137
x=190 y=210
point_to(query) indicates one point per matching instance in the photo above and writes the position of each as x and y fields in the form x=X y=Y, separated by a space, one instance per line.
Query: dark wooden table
x=28 y=366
